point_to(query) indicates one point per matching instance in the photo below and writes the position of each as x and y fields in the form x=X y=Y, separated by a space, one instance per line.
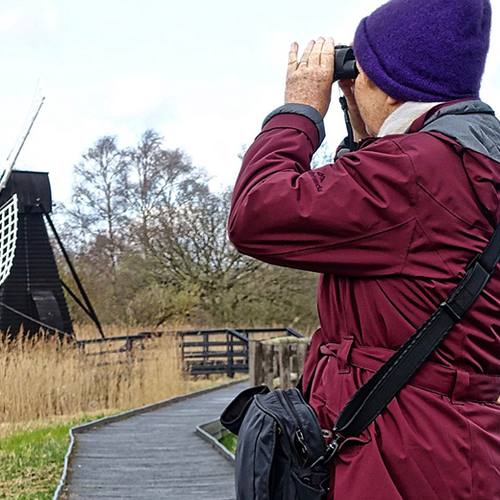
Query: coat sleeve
x=354 y=217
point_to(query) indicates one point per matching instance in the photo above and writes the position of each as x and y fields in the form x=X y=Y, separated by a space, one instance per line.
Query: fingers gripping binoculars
x=345 y=63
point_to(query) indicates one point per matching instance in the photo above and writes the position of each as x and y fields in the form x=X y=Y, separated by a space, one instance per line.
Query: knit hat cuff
x=372 y=66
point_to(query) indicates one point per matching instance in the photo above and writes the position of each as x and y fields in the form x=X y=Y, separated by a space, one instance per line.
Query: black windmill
x=31 y=291
x=31 y=297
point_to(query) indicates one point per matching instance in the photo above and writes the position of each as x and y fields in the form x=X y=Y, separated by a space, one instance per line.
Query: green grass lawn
x=32 y=460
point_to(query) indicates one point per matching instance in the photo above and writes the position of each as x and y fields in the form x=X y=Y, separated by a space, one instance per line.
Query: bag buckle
x=448 y=309
x=477 y=260
x=330 y=452
x=472 y=262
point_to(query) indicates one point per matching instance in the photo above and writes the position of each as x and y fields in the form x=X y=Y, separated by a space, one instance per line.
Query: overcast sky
x=202 y=73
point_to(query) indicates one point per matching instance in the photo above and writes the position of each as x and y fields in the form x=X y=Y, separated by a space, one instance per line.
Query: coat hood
x=472 y=124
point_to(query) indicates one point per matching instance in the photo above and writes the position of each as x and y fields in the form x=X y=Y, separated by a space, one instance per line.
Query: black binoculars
x=345 y=64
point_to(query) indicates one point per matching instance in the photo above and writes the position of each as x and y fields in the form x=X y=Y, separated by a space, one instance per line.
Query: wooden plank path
x=155 y=455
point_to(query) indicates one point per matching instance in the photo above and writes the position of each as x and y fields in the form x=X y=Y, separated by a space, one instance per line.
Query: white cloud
x=10 y=20
x=28 y=17
x=134 y=95
x=204 y=81
x=50 y=17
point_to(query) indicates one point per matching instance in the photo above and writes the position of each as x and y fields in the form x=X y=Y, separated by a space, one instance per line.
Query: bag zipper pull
x=331 y=450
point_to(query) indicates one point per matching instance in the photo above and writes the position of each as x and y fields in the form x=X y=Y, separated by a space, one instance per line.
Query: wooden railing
x=226 y=350
x=278 y=362
x=203 y=352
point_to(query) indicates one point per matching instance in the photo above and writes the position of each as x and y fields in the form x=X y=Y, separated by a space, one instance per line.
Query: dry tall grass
x=43 y=379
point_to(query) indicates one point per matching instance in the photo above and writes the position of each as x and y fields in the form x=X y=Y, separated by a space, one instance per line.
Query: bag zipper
x=270 y=414
x=283 y=397
x=332 y=448
x=312 y=412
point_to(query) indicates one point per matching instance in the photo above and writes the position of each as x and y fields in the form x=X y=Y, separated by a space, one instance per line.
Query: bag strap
x=372 y=397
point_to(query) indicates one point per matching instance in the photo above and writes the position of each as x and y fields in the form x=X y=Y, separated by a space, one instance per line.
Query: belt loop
x=343 y=355
x=461 y=388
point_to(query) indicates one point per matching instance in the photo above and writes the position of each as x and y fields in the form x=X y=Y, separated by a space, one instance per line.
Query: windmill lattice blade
x=8 y=236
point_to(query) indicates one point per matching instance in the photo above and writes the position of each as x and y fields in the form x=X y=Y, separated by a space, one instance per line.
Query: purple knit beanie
x=426 y=50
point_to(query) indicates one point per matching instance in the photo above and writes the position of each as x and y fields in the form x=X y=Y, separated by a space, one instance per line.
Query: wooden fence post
x=301 y=358
x=268 y=364
x=284 y=365
x=283 y=358
x=255 y=363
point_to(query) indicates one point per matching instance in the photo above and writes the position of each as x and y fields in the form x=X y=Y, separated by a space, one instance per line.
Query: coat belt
x=459 y=385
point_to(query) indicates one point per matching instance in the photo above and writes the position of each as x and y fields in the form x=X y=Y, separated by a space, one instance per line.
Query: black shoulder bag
x=281 y=453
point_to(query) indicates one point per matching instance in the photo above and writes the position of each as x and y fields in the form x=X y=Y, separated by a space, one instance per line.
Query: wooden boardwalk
x=155 y=455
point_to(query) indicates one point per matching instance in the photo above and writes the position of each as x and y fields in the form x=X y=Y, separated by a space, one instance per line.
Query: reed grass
x=44 y=378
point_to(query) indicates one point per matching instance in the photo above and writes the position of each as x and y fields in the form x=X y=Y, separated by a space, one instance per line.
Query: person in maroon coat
x=391 y=226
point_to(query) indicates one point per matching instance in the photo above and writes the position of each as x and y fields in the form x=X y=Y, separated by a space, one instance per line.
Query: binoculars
x=345 y=64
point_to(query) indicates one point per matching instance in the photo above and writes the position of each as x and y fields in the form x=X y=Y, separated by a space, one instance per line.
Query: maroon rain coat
x=390 y=227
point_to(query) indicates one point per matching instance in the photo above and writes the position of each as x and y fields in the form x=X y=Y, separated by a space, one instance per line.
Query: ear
x=393 y=103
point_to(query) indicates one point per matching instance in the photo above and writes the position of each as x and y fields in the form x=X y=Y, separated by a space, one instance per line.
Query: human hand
x=357 y=122
x=309 y=81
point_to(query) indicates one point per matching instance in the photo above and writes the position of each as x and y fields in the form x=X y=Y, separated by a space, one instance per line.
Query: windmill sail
x=8 y=236
x=35 y=108
x=9 y=211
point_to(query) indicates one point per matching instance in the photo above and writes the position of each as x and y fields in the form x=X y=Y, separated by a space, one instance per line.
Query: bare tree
x=99 y=203
x=157 y=177
x=153 y=244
